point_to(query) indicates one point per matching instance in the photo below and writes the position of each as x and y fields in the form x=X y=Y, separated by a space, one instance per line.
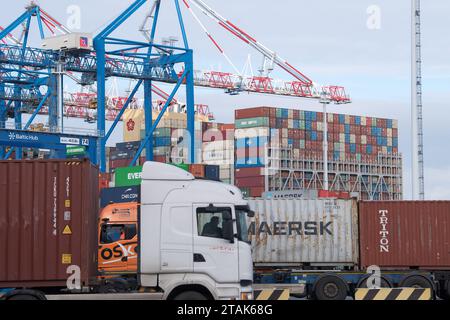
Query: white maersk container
x=71 y=41
x=288 y=232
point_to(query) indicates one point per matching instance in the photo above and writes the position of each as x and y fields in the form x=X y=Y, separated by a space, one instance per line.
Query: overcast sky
x=332 y=42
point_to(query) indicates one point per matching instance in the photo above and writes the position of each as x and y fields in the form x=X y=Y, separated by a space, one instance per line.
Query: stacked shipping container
x=350 y=138
x=218 y=148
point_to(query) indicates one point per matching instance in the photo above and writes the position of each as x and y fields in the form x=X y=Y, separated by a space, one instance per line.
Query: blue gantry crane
x=27 y=71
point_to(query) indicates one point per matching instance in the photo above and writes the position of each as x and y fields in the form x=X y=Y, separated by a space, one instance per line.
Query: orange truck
x=118 y=240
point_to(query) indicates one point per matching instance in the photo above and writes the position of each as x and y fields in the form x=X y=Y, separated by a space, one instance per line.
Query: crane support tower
x=418 y=183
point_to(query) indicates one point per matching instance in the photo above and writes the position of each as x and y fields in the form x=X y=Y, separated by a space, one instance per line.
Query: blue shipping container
x=212 y=172
x=120 y=195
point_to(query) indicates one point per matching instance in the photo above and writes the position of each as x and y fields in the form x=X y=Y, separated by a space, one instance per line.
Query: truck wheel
x=384 y=283
x=446 y=290
x=190 y=295
x=330 y=287
x=25 y=295
x=416 y=281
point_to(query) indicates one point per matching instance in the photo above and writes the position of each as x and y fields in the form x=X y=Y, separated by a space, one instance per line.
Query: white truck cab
x=193 y=236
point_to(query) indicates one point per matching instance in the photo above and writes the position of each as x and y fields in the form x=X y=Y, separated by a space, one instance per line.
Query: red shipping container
x=383 y=132
x=273 y=122
x=159 y=159
x=296 y=114
x=352 y=120
x=258 y=181
x=405 y=234
x=394 y=133
x=227 y=126
x=314 y=125
x=335 y=118
x=256 y=192
x=273 y=112
x=319 y=116
x=114 y=164
x=252 y=112
x=291 y=134
x=341 y=128
x=368 y=121
x=302 y=134
x=248 y=172
x=38 y=200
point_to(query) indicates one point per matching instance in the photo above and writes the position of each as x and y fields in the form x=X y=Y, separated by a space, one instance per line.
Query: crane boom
x=251 y=41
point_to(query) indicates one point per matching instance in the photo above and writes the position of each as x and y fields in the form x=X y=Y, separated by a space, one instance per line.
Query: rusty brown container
x=252 y=112
x=405 y=234
x=48 y=221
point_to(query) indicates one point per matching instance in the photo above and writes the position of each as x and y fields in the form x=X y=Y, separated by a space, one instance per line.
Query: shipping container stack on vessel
x=214 y=145
x=218 y=148
x=170 y=139
x=363 y=154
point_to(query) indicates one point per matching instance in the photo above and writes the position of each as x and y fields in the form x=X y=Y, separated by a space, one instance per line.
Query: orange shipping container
x=197 y=170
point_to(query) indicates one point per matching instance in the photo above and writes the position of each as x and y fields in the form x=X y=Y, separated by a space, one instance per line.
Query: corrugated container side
x=405 y=234
x=295 y=232
x=38 y=200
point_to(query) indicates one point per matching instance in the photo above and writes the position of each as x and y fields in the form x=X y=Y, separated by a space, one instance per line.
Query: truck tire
x=190 y=295
x=330 y=287
x=25 y=295
x=446 y=290
x=416 y=281
x=384 y=283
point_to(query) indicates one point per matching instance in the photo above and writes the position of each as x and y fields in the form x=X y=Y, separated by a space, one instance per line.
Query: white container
x=251 y=132
x=71 y=41
x=289 y=232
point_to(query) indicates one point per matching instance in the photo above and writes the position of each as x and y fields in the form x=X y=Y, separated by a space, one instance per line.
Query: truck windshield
x=241 y=217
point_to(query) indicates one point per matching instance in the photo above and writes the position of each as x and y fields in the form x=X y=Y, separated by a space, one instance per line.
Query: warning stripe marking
x=393 y=294
x=271 y=294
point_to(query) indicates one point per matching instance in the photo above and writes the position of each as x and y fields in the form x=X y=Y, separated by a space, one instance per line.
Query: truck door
x=213 y=254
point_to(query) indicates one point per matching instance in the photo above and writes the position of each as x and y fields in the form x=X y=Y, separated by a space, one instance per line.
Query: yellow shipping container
x=342 y=137
x=330 y=117
x=319 y=126
x=133 y=121
x=347 y=119
x=363 y=139
x=395 y=124
x=389 y=133
x=363 y=121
